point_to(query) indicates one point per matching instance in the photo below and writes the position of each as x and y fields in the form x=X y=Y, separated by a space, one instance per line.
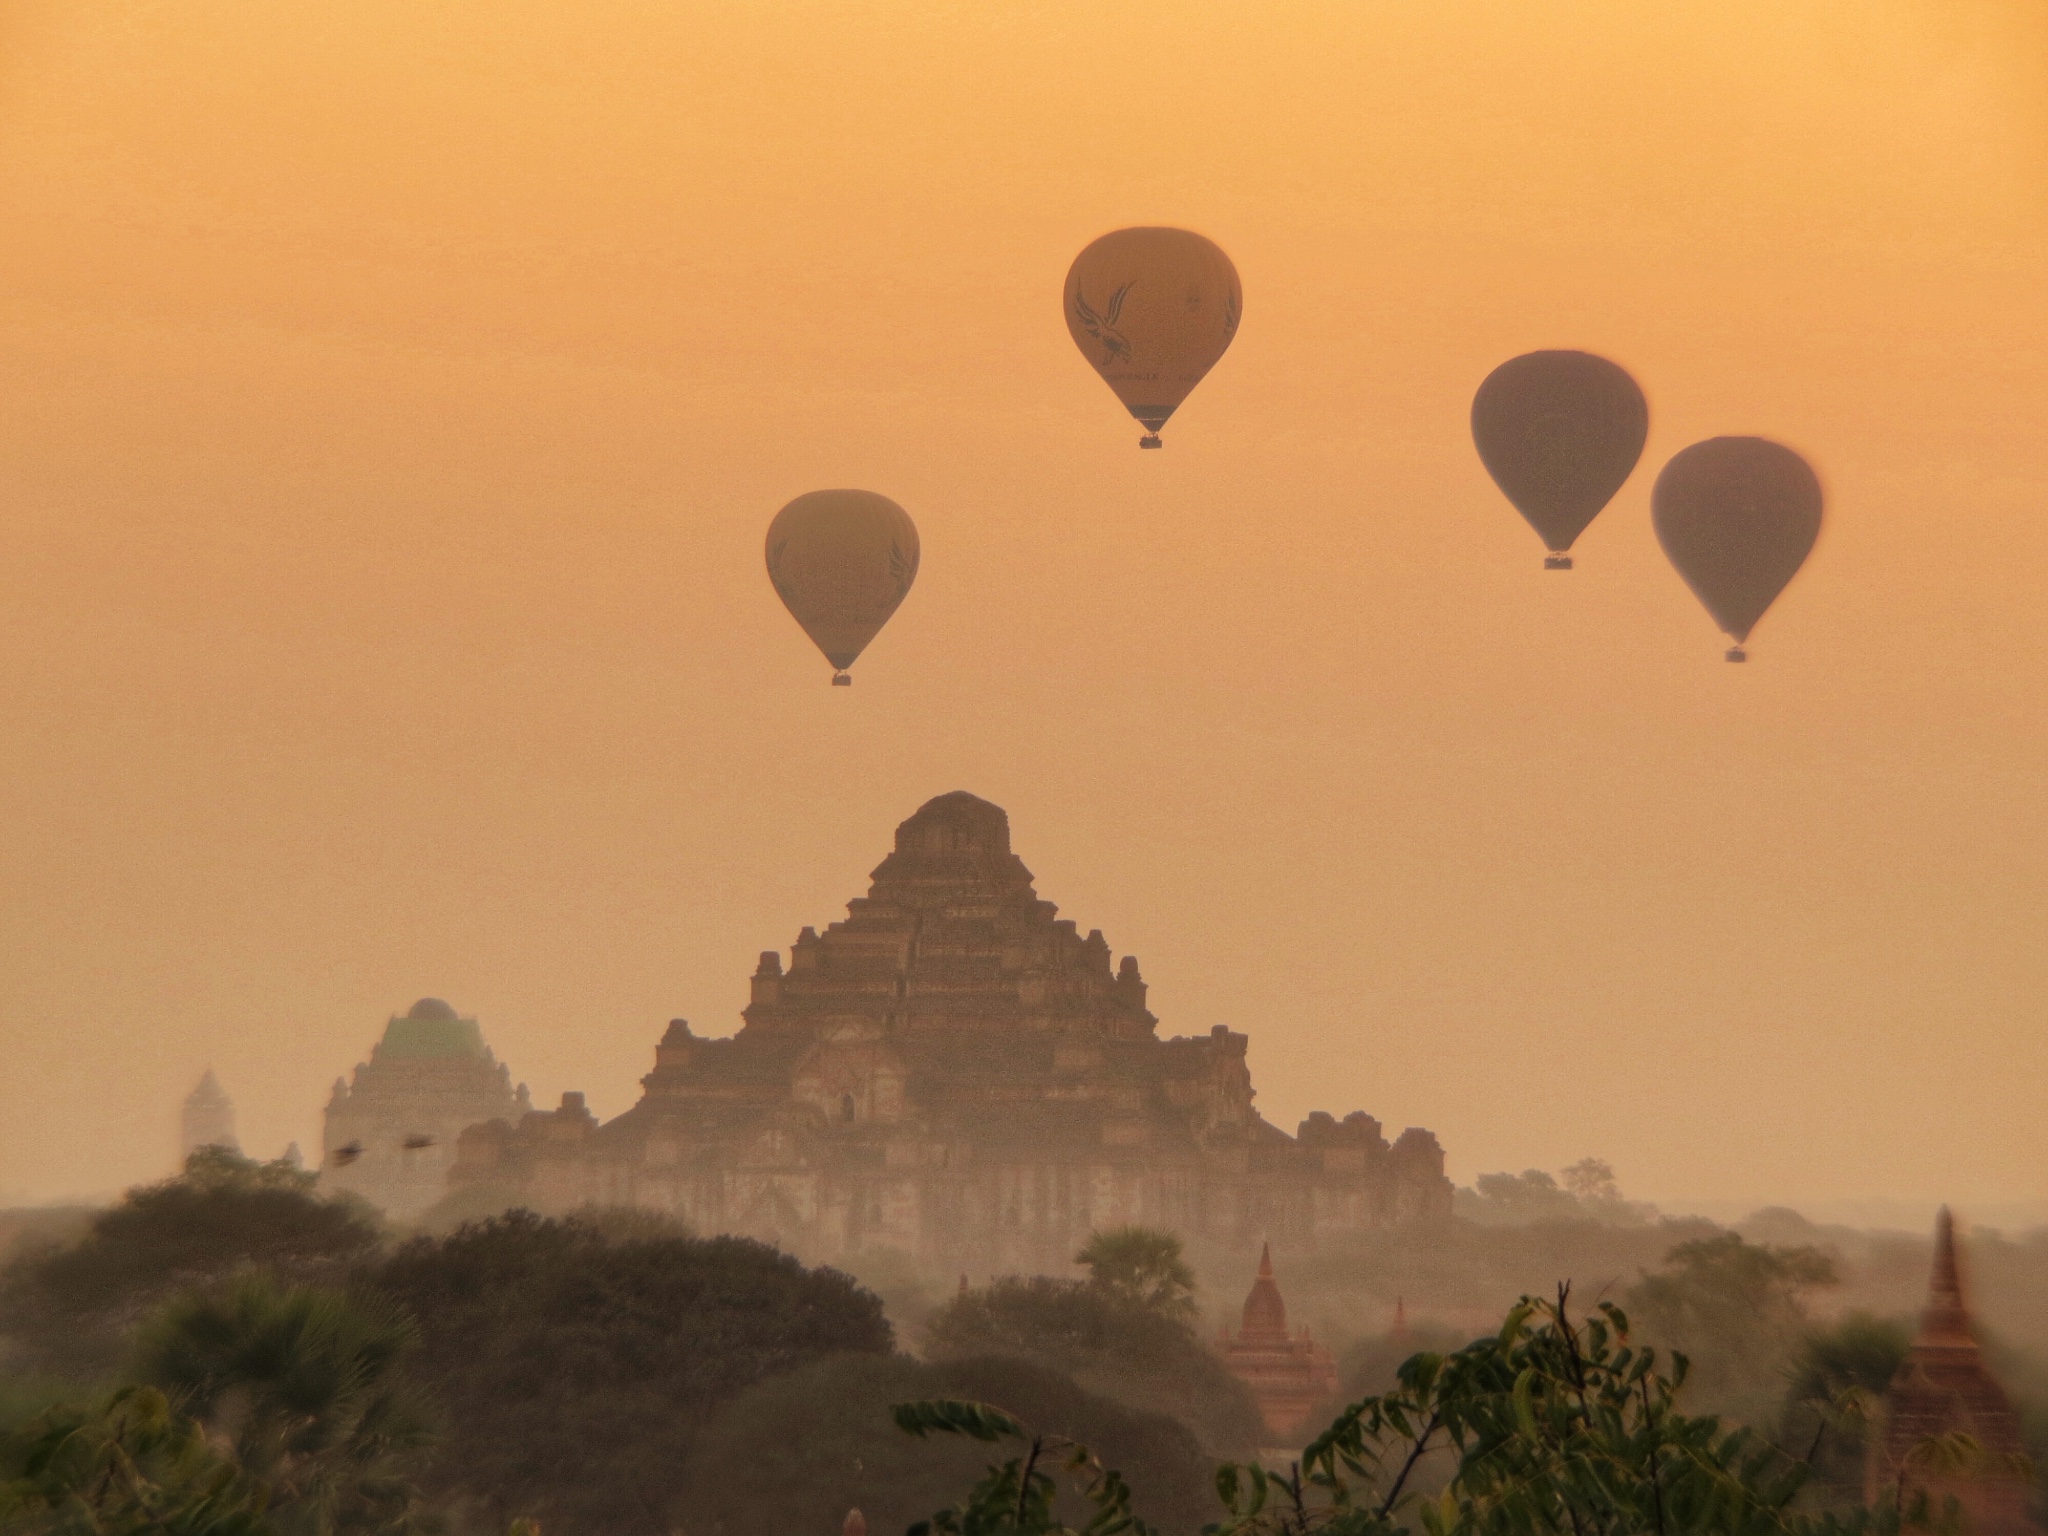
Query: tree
x=1531 y=1195
x=1108 y=1342
x=795 y=1452
x=1739 y=1310
x=1022 y=1494
x=74 y=1311
x=127 y=1466
x=572 y=1371
x=1552 y=1425
x=1591 y=1178
x=1142 y=1265
x=302 y=1384
x=1838 y=1376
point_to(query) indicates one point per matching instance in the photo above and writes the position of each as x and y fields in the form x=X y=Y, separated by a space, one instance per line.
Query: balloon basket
x=1150 y=440
x=1737 y=653
x=1557 y=562
x=841 y=680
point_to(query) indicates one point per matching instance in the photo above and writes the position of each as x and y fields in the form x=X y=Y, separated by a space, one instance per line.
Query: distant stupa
x=1943 y=1390
x=208 y=1119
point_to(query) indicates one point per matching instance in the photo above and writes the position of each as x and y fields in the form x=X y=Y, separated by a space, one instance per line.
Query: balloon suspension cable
x=841 y=680
x=1150 y=440
x=1737 y=653
x=1557 y=562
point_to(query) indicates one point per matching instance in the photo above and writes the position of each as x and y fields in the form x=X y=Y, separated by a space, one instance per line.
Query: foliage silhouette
x=1108 y=1342
x=1551 y=1425
x=74 y=1311
x=302 y=1384
x=1142 y=1265
x=570 y=1372
x=795 y=1452
x=126 y=1466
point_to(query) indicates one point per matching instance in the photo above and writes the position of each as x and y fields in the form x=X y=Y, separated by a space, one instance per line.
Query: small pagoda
x=1290 y=1375
x=208 y=1118
x=1948 y=1430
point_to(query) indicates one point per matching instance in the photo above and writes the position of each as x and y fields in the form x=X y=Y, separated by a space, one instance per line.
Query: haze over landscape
x=397 y=396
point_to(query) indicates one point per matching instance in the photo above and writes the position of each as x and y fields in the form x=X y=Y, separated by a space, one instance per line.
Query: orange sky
x=394 y=396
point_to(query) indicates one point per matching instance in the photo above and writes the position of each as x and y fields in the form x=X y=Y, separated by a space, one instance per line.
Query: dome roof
x=431 y=1028
x=956 y=821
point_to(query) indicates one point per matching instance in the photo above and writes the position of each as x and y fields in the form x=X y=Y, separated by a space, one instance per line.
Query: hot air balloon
x=1152 y=310
x=842 y=561
x=1737 y=517
x=1559 y=432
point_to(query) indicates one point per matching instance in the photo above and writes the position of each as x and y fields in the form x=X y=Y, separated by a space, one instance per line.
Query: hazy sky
x=395 y=395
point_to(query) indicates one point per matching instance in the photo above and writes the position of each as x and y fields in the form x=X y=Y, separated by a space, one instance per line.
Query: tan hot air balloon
x=1737 y=516
x=842 y=561
x=1152 y=310
x=1559 y=432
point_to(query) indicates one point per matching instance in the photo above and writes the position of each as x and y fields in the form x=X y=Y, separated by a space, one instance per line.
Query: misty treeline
x=229 y=1352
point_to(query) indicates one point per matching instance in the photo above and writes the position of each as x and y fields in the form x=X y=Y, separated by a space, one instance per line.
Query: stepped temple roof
x=955 y=1070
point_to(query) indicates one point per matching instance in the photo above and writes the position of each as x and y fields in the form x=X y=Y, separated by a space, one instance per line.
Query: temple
x=955 y=1073
x=1948 y=1430
x=1290 y=1375
x=391 y=1135
x=208 y=1118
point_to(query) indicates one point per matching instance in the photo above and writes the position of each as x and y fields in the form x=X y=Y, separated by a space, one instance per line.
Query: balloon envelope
x=841 y=561
x=1152 y=310
x=1559 y=432
x=1737 y=516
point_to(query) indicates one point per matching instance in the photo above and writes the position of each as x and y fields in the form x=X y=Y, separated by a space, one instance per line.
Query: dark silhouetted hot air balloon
x=1559 y=432
x=841 y=562
x=1737 y=516
x=1152 y=310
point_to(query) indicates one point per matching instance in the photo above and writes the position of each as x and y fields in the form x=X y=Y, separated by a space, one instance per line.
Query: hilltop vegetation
x=229 y=1354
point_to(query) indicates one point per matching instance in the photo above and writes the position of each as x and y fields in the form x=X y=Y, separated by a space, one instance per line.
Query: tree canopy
x=1738 y=1310
x=74 y=1310
x=1142 y=1265
x=302 y=1385
x=1109 y=1341
x=795 y=1452
x=1551 y=1425
x=571 y=1371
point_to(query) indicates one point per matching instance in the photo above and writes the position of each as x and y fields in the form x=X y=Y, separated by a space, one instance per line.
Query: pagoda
x=956 y=1073
x=1948 y=1430
x=208 y=1118
x=1289 y=1374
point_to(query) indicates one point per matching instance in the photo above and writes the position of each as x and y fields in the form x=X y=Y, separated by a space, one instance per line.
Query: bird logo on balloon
x=1116 y=348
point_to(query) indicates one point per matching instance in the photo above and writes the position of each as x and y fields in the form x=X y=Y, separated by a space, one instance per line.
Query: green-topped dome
x=431 y=1028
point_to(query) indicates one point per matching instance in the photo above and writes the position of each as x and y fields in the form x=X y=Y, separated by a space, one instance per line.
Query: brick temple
x=1290 y=1375
x=955 y=1072
x=1947 y=1428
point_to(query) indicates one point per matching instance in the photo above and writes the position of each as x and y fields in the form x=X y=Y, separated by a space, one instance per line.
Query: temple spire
x=1947 y=1319
x=1943 y=1388
x=1265 y=1314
